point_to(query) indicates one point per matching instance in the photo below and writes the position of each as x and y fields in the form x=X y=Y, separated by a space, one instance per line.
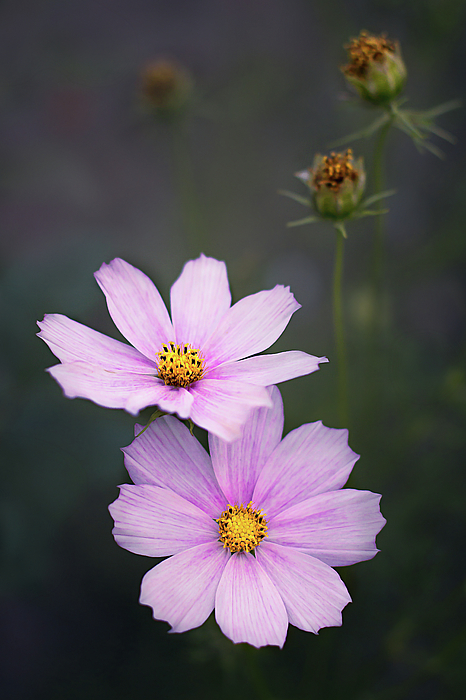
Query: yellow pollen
x=242 y=528
x=365 y=50
x=179 y=365
x=334 y=170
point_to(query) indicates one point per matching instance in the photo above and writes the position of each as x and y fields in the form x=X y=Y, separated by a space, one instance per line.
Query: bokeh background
x=88 y=175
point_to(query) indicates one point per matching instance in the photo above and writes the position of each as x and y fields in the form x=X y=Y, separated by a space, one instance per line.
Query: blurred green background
x=87 y=175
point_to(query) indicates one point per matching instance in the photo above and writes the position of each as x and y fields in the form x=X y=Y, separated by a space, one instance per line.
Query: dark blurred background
x=88 y=175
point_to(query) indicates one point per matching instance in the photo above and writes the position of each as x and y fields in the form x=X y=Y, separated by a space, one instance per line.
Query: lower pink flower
x=252 y=531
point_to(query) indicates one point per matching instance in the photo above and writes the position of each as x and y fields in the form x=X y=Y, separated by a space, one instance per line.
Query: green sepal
x=307 y=220
x=364 y=133
x=296 y=197
x=341 y=228
x=368 y=212
x=376 y=197
x=418 y=125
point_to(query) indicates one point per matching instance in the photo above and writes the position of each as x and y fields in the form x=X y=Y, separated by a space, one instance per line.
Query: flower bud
x=165 y=88
x=337 y=184
x=376 y=69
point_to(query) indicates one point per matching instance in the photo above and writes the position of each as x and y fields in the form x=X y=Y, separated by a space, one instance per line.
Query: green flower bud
x=336 y=183
x=165 y=88
x=376 y=69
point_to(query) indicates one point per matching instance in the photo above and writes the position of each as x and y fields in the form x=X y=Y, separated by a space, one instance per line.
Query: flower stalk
x=191 y=210
x=343 y=412
x=337 y=185
x=377 y=73
x=379 y=238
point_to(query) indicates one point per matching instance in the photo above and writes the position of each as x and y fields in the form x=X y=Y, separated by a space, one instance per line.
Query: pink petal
x=311 y=459
x=199 y=299
x=313 y=593
x=248 y=607
x=265 y=370
x=251 y=326
x=157 y=522
x=181 y=590
x=71 y=342
x=136 y=307
x=222 y=406
x=238 y=464
x=107 y=388
x=174 y=399
x=337 y=527
x=167 y=455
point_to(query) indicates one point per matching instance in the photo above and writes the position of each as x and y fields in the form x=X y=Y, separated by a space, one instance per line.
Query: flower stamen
x=179 y=365
x=334 y=170
x=242 y=528
x=367 y=49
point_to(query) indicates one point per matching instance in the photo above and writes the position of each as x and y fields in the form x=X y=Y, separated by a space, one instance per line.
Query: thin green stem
x=379 y=239
x=339 y=329
x=255 y=674
x=375 y=342
x=191 y=213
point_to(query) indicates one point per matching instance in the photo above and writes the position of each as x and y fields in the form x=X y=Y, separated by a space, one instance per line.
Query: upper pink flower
x=191 y=365
x=281 y=499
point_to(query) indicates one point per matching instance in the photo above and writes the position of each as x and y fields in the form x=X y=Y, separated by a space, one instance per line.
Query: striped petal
x=248 y=607
x=311 y=459
x=238 y=464
x=136 y=307
x=71 y=341
x=182 y=589
x=313 y=593
x=266 y=370
x=250 y=326
x=167 y=455
x=222 y=406
x=106 y=388
x=337 y=527
x=157 y=522
x=199 y=298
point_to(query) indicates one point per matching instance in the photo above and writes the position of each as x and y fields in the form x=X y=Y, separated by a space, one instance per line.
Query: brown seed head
x=159 y=81
x=367 y=49
x=334 y=170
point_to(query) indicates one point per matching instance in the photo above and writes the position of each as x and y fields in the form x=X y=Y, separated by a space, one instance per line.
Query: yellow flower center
x=241 y=528
x=334 y=170
x=179 y=365
x=365 y=50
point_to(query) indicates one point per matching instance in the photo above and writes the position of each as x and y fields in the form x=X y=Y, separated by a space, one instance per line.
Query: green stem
x=339 y=329
x=379 y=240
x=255 y=674
x=375 y=342
x=185 y=183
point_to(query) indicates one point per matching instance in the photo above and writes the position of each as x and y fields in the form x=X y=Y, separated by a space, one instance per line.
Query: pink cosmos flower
x=252 y=531
x=191 y=365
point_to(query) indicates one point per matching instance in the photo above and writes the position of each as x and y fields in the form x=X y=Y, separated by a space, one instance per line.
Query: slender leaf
x=376 y=197
x=301 y=222
x=362 y=133
x=442 y=109
x=296 y=197
x=369 y=212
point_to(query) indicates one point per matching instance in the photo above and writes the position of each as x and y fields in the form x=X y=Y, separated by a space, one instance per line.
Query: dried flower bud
x=337 y=184
x=165 y=87
x=376 y=69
